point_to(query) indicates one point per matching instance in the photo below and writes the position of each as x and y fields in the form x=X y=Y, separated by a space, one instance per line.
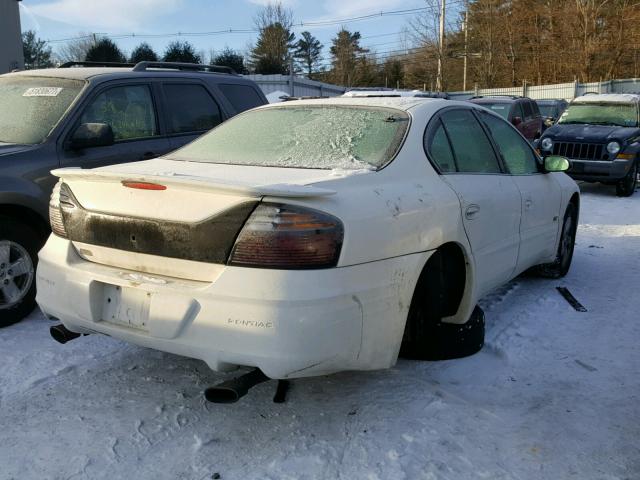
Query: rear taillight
x=61 y=198
x=288 y=237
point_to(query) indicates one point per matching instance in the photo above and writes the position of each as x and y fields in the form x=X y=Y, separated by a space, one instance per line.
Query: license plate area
x=125 y=306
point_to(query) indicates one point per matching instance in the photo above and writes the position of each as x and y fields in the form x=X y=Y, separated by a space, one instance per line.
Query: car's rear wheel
x=560 y=267
x=626 y=186
x=426 y=337
x=19 y=244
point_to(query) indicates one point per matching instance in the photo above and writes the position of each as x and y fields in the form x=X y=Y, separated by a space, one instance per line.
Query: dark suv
x=86 y=117
x=522 y=112
x=601 y=136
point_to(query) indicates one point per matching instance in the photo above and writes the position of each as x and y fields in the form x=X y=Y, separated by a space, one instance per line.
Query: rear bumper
x=287 y=323
x=599 y=171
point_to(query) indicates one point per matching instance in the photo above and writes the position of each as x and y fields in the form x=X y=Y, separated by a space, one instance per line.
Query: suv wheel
x=626 y=186
x=19 y=244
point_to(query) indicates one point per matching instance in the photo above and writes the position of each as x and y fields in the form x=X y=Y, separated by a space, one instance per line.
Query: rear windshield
x=620 y=114
x=501 y=109
x=303 y=136
x=31 y=106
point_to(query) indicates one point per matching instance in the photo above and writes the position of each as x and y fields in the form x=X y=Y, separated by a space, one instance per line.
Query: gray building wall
x=10 y=36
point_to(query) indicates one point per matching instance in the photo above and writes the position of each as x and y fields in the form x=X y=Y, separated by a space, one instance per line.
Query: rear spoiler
x=196 y=183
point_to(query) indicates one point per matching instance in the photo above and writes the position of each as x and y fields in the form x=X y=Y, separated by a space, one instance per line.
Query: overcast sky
x=56 y=19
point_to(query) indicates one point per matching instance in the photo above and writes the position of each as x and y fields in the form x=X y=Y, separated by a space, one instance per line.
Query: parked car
x=522 y=112
x=551 y=110
x=601 y=136
x=309 y=237
x=90 y=117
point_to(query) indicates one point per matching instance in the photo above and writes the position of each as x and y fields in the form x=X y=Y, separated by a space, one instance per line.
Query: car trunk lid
x=186 y=226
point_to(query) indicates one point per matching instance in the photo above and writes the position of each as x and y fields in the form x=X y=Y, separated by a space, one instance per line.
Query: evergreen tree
x=36 y=52
x=346 y=53
x=230 y=58
x=181 y=52
x=105 y=50
x=271 y=53
x=308 y=53
x=143 y=52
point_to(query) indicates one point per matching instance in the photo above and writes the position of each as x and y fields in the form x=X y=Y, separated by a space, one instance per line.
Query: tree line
x=505 y=42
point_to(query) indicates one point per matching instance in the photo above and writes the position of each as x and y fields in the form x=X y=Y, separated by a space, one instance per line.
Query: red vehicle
x=522 y=112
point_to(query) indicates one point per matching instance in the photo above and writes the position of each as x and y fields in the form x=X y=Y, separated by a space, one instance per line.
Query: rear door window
x=190 y=108
x=242 y=97
x=471 y=146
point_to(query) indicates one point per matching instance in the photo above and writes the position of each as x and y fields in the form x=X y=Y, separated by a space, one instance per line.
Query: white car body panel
x=541 y=214
x=294 y=323
x=495 y=250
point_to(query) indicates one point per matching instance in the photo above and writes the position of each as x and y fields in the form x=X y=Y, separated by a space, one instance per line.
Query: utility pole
x=466 y=51
x=441 y=46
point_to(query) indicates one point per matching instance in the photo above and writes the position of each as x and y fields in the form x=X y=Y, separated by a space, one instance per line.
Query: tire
x=560 y=266
x=626 y=186
x=19 y=245
x=426 y=337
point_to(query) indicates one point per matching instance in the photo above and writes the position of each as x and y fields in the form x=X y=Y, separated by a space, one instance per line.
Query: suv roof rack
x=193 y=67
x=95 y=64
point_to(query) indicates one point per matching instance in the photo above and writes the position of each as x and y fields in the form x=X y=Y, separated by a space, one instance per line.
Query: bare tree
x=75 y=50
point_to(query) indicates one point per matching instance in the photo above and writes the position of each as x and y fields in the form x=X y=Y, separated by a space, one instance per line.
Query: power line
x=309 y=24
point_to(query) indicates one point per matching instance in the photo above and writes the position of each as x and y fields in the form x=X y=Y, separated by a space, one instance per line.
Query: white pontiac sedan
x=310 y=237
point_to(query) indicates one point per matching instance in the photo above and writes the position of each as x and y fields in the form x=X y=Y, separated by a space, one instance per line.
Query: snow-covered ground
x=555 y=394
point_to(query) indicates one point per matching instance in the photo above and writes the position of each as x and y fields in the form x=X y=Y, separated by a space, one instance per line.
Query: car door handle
x=148 y=156
x=471 y=211
x=528 y=203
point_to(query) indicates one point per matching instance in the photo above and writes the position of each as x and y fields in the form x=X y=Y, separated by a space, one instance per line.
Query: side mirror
x=90 y=135
x=555 y=163
x=517 y=121
x=549 y=121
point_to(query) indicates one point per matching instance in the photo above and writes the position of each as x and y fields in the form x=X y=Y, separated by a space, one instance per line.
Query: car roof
x=551 y=100
x=608 y=97
x=399 y=103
